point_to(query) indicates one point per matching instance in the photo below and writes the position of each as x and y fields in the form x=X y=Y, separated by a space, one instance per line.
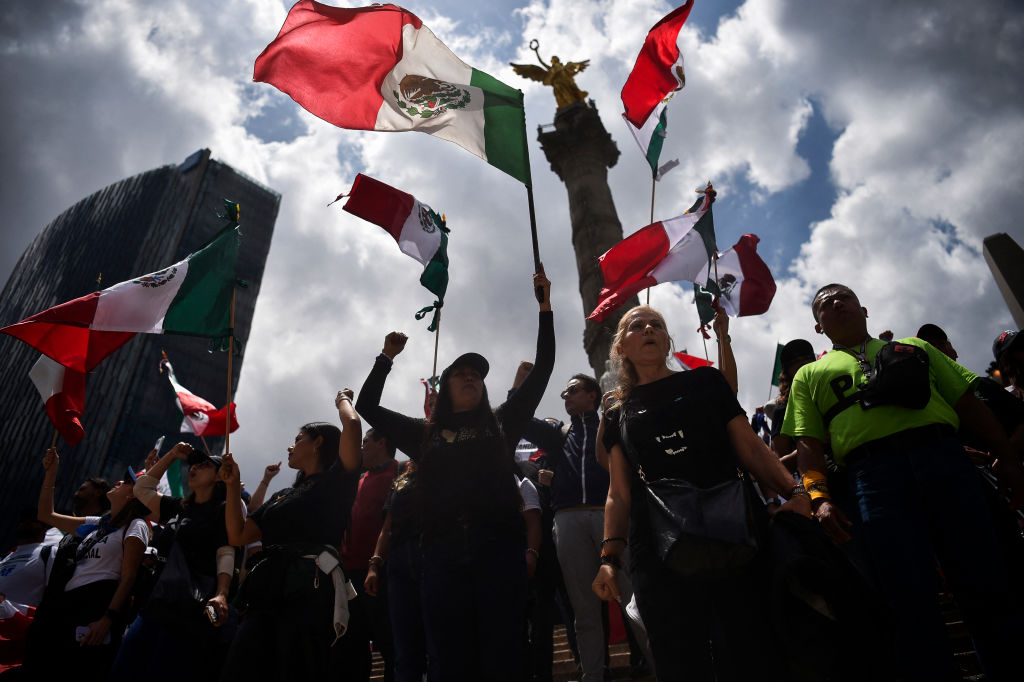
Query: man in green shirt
x=917 y=492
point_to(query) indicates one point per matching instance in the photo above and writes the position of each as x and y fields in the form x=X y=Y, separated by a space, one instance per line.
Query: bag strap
x=844 y=403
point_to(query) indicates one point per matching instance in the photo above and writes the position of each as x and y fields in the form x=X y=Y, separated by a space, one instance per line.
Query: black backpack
x=899 y=377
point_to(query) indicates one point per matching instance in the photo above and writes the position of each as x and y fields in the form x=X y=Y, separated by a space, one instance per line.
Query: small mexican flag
x=380 y=68
x=199 y=416
x=420 y=232
x=192 y=297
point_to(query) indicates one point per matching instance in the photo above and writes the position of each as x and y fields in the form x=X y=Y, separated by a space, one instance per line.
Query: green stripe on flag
x=777 y=372
x=174 y=480
x=203 y=304
x=504 y=126
x=657 y=142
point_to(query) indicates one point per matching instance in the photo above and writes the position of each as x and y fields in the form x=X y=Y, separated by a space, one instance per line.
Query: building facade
x=132 y=227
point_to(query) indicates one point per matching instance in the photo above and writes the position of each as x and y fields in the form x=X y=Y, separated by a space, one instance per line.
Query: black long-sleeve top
x=466 y=480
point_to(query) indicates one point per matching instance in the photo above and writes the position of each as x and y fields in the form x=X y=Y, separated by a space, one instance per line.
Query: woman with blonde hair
x=685 y=429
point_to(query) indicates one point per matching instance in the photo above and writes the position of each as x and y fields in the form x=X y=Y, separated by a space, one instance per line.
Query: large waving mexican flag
x=193 y=296
x=380 y=68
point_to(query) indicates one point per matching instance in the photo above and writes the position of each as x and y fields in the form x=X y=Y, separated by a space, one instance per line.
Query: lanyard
x=861 y=357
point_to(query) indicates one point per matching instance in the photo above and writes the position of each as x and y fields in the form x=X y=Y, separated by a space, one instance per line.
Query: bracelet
x=376 y=560
x=816 y=485
x=611 y=560
x=606 y=540
x=340 y=399
x=728 y=339
x=535 y=553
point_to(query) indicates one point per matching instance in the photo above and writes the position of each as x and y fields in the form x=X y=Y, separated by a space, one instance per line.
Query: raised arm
x=351 y=432
x=44 y=510
x=406 y=432
x=241 y=529
x=521 y=405
x=145 y=486
x=260 y=494
x=726 y=360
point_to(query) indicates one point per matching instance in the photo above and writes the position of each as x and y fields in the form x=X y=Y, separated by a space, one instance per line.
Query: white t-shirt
x=528 y=491
x=23 y=573
x=103 y=559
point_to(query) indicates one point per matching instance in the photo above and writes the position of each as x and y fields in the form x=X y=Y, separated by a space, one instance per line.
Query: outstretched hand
x=525 y=367
x=343 y=395
x=394 y=343
x=721 y=322
x=542 y=287
x=181 y=451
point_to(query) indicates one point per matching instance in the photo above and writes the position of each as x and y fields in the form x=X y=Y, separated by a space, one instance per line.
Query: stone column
x=1006 y=260
x=581 y=151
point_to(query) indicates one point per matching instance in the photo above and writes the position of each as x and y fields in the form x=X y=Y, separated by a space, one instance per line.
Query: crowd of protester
x=810 y=541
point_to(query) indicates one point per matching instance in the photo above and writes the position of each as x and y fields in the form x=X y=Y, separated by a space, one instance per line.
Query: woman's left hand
x=220 y=606
x=97 y=632
x=801 y=504
x=229 y=472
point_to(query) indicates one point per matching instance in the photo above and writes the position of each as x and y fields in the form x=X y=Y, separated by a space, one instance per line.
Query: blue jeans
x=408 y=641
x=926 y=502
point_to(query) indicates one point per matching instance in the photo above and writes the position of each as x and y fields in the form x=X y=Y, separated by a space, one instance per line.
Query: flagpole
x=231 y=352
x=205 y=445
x=654 y=181
x=53 y=441
x=539 y=292
x=437 y=337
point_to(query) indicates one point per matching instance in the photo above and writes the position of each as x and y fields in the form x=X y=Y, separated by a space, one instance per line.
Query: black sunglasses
x=570 y=390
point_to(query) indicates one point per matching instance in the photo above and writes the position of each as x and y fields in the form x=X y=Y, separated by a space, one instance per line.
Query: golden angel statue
x=558 y=75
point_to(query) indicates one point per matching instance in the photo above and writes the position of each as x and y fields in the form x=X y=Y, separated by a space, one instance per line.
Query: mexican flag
x=420 y=232
x=658 y=72
x=745 y=284
x=380 y=68
x=200 y=416
x=744 y=280
x=656 y=77
x=192 y=296
x=666 y=251
x=63 y=392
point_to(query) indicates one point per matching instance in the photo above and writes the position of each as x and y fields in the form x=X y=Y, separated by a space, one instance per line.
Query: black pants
x=703 y=630
x=53 y=653
x=368 y=621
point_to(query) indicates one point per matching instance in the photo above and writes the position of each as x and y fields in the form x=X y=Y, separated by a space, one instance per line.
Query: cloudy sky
x=871 y=143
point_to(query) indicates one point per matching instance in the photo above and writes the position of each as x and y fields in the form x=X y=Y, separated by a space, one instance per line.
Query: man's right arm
x=547 y=437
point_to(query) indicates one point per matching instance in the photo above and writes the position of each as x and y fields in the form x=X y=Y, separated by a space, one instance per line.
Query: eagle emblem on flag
x=427 y=97
x=157 y=279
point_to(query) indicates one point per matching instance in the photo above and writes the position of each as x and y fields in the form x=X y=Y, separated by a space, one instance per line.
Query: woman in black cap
x=189 y=598
x=473 y=539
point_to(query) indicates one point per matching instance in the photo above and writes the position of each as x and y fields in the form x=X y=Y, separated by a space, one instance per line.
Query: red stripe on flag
x=758 y=288
x=625 y=267
x=380 y=204
x=651 y=79
x=62 y=333
x=332 y=60
x=692 y=361
x=214 y=424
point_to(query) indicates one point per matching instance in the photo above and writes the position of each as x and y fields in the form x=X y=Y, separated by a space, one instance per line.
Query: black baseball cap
x=474 y=360
x=198 y=457
x=796 y=349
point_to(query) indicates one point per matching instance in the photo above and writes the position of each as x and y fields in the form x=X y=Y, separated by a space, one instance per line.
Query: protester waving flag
x=666 y=251
x=199 y=416
x=656 y=76
x=420 y=232
x=192 y=296
x=380 y=68
x=63 y=392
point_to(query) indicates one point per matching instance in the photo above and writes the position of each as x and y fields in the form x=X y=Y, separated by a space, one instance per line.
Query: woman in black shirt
x=689 y=426
x=295 y=600
x=468 y=506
